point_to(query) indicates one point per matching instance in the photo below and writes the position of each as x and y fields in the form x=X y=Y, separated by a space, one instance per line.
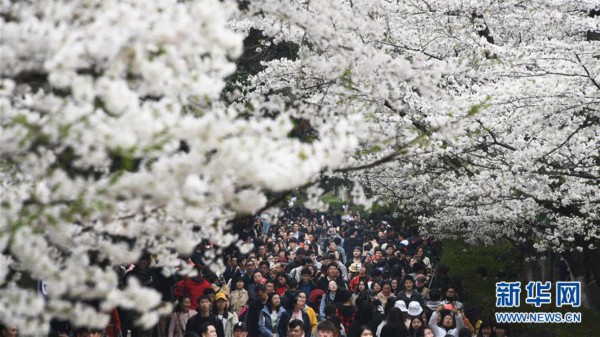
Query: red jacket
x=192 y=289
x=356 y=280
x=114 y=326
x=281 y=290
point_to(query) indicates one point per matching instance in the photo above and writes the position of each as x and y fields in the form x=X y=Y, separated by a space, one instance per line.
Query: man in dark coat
x=204 y=316
x=255 y=308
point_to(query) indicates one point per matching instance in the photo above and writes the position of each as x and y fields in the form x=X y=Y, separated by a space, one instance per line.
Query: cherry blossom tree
x=118 y=139
x=525 y=165
x=352 y=68
x=115 y=143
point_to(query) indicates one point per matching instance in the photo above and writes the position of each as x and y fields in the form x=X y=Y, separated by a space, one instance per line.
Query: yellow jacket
x=312 y=316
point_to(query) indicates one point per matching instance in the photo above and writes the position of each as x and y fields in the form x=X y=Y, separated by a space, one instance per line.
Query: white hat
x=354 y=267
x=414 y=308
x=400 y=304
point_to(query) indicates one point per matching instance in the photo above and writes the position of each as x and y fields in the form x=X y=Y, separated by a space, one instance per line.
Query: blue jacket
x=324 y=300
x=265 y=324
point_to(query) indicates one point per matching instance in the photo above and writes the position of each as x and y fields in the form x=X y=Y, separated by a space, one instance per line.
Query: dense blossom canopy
x=525 y=164
x=116 y=138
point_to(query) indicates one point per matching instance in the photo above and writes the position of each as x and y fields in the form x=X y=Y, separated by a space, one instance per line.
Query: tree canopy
x=126 y=129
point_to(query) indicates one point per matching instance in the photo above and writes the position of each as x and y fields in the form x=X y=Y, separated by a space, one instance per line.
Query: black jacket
x=252 y=317
x=194 y=323
x=282 y=328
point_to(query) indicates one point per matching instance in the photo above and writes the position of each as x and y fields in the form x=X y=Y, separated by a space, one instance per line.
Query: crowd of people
x=310 y=273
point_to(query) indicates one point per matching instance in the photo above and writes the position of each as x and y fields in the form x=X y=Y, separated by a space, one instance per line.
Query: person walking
x=180 y=317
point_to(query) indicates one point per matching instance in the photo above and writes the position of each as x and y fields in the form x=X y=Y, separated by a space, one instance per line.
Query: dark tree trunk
x=592 y=259
x=577 y=265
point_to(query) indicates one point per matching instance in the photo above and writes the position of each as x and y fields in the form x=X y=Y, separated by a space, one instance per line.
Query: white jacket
x=441 y=332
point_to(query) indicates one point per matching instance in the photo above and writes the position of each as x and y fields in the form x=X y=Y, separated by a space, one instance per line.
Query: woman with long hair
x=386 y=310
x=394 y=282
x=281 y=285
x=276 y=249
x=361 y=292
x=270 y=316
x=385 y=293
x=365 y=316
x=416 y=327
x=180 y=316
x=420 y=255
x=239 y=296
x=295 y=311
x=222 y=313
x=395 y=322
